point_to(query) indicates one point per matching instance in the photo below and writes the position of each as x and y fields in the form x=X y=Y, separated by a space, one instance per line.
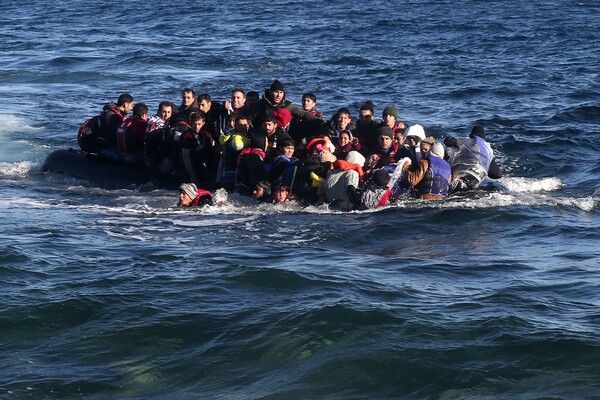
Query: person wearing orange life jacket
x=191 y=196
x=131 y=134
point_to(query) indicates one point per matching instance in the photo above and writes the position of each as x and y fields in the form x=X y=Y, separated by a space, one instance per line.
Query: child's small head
x=281 y=194
x=287 y=147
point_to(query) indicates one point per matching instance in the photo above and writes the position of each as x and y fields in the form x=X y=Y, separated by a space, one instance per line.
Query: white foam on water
x=10 y=123
x=17 y=169
x=530 y=185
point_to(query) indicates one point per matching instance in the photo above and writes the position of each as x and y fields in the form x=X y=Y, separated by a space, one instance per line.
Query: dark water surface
x=115 y=294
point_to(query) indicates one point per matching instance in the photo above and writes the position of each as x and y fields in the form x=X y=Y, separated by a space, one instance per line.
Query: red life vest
x=131 y=134
x=249 y=150
x=201 y=193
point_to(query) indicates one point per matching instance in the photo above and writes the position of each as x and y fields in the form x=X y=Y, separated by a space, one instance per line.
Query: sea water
x=114 y=293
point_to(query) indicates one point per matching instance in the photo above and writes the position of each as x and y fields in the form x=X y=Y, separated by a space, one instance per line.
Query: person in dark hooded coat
x=274 y=99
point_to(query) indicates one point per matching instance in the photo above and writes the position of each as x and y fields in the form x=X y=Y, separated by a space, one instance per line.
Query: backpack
x=90 y=135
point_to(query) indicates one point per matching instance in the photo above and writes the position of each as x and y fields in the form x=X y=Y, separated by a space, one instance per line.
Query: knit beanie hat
x=327 y=156
x=190 y=189
x=381 y=178
x=436 y=150
x=478 y=131
x=415 y=130
x=385 y=131
x=277 y=85
x=368 y=106
x=390 y=110
x=282 y=117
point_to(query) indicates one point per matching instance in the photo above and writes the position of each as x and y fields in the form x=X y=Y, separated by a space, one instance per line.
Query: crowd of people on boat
x=268 y=148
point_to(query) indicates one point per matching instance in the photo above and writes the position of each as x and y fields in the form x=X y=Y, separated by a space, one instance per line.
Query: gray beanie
x=436 y=150
x=190 y=189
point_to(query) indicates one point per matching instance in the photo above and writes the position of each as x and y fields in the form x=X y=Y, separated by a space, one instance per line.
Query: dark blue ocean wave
x=114 y=293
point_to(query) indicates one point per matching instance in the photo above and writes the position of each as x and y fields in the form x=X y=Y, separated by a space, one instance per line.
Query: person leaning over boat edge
x=472 y=160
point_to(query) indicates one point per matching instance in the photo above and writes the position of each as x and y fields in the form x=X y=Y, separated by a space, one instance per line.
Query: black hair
x=237 y=89
x=140 y=109
x=124 y=98
x=239 y=117
x=189 y=90
x=270 y=117
x=309 y=95
x=288 y=141
x=195 y=116
x=343 y=110
x=166 y=104
x=204 y=96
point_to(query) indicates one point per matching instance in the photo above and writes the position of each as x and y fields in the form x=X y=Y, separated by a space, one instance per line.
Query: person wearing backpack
x=100 y=132
x=113 y=114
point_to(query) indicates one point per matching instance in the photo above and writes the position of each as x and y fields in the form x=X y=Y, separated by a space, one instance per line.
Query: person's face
x=242 y=126
x=399 y=137
x=389 y=120
x=425 y=148
x=343 y=120
x=288 y=151
x=184 y=199
x=412 y=141
x=128 y=107
x=258 y=192
x=237 y=100
x=198 y=125
x=365 y=117
x=385 y=141
x=277 y=95
x=281 y=196
x=187 y=98
x=205 y=106
x=344 y=139
x=165 y=112
x=308 y=104
x=270 y=127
